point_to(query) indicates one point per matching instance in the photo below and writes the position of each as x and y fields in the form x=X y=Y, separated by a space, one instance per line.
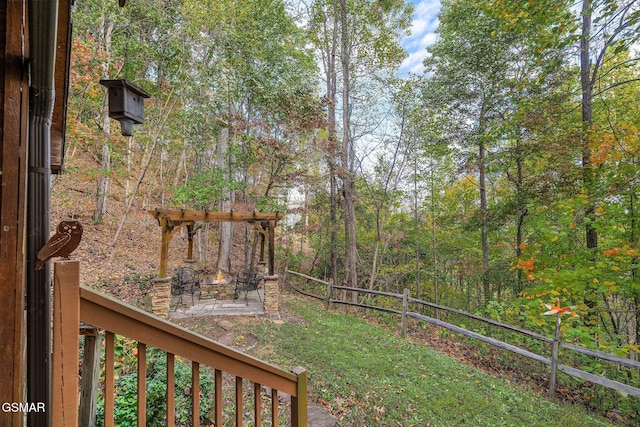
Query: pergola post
x=262 y=240
x=164 y=247
x=272 y=248
x=191 y=231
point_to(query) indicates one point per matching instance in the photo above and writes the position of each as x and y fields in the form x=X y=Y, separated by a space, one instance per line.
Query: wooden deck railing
x=115 y=317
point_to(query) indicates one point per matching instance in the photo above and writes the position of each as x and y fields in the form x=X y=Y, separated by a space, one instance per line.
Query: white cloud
x=425 y=22
x=413 y=62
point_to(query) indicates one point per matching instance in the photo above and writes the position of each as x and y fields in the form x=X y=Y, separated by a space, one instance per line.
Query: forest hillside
x=124 y=267
x=501 y=178
x=499 y=175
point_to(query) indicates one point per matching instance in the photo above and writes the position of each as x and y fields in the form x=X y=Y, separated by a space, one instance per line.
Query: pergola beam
x=185 y=215
x=172 y=220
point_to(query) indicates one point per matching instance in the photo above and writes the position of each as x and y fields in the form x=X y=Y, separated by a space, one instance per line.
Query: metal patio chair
x=248 y=280
x=185 y=281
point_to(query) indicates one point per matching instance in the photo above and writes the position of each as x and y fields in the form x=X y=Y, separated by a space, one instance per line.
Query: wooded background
x=502 y=178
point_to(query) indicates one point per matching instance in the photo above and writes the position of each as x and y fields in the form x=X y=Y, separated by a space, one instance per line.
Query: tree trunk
x=330 y=60
x=225 y=241
x=103 y=180
x=587 y=117
x=374 y=264
x=348 y=178
x=635 y=338
x=591 y=235
x=434 y=242
x=333 y=223
x=486 y=288
x=521 y=213
x=416 y=225
x=89 y=381
x=105 y=31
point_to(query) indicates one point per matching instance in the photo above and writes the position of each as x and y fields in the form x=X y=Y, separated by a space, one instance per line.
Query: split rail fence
x=405 y=299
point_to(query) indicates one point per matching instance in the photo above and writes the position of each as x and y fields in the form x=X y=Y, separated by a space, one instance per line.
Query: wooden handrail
x=75 y=304
x=114 y=316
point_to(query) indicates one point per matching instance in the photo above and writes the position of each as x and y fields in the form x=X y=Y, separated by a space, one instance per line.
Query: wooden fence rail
x=625 y=388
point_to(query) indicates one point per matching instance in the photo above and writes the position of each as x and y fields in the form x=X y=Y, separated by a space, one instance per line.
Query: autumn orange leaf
x=610 y=252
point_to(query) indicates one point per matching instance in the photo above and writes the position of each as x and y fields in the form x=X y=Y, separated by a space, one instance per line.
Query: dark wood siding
x=13 y=126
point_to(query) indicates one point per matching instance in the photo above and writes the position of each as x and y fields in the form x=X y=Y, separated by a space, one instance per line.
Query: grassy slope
x=367 y=376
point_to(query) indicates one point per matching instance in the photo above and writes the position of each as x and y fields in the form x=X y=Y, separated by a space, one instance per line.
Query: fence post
x=299 y=402
x=554 y=359
x=329 y=291
x=405 y=307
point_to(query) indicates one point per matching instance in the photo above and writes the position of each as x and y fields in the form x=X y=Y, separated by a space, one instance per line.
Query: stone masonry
x=161 y=296
x=271 y=294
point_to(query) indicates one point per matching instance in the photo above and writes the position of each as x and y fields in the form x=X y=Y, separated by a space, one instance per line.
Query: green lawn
x=368 y=376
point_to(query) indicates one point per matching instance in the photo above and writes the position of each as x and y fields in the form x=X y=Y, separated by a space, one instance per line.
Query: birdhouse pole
x=554 y=359
x=558 y=311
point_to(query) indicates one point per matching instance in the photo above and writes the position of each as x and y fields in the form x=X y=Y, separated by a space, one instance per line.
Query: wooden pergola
x=172 y=220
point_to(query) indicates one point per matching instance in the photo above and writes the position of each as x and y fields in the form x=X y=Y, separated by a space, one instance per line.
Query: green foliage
x=204 y=188
x=495 y=310
x=270 y=204
x=126 y=388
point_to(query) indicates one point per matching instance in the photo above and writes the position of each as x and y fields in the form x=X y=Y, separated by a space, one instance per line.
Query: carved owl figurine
x=62 y=243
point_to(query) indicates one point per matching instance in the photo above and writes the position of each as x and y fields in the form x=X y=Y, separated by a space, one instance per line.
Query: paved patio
x=213 y=307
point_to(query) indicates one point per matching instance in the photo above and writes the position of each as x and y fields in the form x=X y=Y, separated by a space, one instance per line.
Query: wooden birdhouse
x=126 y=103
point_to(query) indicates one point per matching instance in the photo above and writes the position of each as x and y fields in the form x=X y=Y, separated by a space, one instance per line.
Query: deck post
x=66 y=339
x=299 y=402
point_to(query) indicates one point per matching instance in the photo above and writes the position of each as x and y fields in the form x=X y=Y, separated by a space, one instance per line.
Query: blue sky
x=425 y=22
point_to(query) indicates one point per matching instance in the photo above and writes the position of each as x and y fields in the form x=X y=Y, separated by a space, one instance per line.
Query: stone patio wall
x=271 y=294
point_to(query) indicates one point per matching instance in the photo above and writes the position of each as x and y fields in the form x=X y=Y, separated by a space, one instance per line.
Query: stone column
x=271 y=294
x=161 y=296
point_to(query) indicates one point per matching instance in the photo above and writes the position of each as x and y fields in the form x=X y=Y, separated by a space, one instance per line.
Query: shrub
x=126 y=389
